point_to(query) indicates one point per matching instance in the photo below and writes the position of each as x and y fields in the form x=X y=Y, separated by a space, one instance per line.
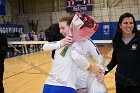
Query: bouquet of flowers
x=82 y=27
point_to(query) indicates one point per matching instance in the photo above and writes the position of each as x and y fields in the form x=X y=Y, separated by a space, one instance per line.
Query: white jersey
x=63 y=72
x=86 y=48
x=35 y=37
x=23 y=37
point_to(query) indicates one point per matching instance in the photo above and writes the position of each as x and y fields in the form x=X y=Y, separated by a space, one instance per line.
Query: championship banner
x=11 y=30
x=2 y=7
x=106 y=30
x=73 y=5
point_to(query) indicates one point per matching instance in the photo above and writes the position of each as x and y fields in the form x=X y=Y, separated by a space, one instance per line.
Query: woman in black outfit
x=126 y=55
x=3 y=53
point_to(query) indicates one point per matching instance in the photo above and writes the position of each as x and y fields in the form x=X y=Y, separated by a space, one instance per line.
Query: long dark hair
x=118 y=34
x=52 y=33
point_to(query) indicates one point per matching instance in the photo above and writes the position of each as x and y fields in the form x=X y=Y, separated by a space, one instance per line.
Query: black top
x=3 y=46
x=127 y=59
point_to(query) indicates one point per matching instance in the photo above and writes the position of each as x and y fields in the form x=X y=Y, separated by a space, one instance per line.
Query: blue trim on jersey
x=94 y=45
x=57 y=89
x=92 y=42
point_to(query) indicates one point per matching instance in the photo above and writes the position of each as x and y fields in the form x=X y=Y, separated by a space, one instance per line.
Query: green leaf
x=63 y=52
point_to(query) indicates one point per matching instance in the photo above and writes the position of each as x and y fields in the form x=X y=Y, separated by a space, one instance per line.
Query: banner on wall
x=73 y=5
x=11 y=30
x=138 y=27
x=106 y=29
x=2 y=7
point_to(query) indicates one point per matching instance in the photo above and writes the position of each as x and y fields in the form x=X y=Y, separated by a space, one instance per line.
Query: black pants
x=126 y=89
x=1 y=75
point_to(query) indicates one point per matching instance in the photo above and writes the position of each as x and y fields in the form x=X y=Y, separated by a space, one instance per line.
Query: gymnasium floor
x=27 y=73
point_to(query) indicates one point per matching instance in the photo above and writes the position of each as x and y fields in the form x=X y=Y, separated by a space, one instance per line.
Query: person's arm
x=57 y=44
x=95 y=53
x=80 y=60
x=98 y=59
x=51 y=46
x=112 y=63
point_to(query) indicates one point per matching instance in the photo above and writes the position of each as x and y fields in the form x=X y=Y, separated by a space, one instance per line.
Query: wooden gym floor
x=27 y=73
